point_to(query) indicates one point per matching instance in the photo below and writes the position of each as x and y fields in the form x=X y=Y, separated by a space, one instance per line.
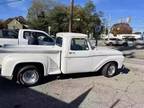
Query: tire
x=28 y=75
x=110 y=69
x=107 y=44
x=110 y=44
x=125 y=44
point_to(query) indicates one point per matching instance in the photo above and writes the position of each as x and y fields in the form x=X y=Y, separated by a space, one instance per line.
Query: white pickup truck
x=71 y=54
x=20 y=37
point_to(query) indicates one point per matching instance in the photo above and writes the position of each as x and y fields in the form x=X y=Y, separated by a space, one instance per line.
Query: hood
x=106 y=51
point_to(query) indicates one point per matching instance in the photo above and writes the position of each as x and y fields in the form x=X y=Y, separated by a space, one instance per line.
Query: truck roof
x=70 y=35
x=32 y=30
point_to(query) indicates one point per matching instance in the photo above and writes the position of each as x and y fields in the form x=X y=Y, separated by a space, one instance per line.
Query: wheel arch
x=115 y=62
x=38 y=65
x=102 y=65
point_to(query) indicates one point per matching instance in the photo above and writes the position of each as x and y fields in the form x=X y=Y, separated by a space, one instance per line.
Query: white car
x=71 y=54
x=114 y=41
x=139 y=41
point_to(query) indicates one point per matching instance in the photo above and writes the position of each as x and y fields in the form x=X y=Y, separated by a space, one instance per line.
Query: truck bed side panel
x=50 y=61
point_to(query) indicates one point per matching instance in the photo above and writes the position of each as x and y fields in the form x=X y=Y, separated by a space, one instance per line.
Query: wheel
x=125 y=44
x=110 y=44
x=109 y=70
x=28 y=75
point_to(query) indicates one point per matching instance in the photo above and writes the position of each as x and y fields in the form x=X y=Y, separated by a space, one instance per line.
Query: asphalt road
x=125 y=90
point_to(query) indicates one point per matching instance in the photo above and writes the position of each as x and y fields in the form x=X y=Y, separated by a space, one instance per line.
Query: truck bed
x=50 y=53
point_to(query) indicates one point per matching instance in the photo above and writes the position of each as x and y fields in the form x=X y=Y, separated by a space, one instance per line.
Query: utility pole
x=109 y=25
x=71 y=15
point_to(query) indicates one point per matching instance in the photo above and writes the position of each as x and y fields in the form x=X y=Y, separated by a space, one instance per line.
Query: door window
x=27 y=34
x=79 y=44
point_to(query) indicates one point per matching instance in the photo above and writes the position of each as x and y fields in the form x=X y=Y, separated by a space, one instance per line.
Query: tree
x=92 y=17
x=1 y=24
x=121 y=28
x=38 y=11
x=58 y=19
x=40 y=6
x=85 y=19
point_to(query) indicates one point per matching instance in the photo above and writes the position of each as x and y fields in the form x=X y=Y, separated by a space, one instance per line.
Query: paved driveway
x=84 y=91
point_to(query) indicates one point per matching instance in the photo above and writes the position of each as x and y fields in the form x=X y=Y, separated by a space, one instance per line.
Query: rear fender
x=9 y=63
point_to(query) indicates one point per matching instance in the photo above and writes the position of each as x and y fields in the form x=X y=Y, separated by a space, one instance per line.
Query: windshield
x=92 y=44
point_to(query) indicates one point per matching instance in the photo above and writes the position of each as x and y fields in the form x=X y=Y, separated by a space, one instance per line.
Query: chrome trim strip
x=29 y=52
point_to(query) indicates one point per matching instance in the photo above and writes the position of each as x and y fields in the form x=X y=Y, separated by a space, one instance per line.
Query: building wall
x=14 y=24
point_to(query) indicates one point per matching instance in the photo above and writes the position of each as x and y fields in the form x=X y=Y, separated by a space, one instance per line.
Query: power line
x=8 y=2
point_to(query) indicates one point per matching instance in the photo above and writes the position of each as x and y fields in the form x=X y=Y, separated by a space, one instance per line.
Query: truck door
x=78 y=59
x=23 y=37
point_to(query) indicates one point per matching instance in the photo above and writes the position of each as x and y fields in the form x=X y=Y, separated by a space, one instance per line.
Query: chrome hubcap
x=30 y=77
x=111 y=70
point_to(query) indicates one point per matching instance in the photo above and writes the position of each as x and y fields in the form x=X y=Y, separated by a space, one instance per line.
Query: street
x=125 y=90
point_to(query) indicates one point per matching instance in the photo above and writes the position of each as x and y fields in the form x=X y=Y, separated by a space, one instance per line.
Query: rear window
x=13 y=34
x=130 y=39
x=106 y=39
x=112 y=38
x=119 y=39
x=1 y=34
x=59 y=41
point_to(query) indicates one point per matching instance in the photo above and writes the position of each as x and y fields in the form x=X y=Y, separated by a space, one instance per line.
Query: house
x=16 y=23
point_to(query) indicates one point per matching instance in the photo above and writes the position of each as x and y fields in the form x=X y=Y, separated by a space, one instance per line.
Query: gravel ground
x=125 y=90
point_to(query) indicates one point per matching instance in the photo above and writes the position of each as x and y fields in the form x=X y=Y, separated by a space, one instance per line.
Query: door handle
x=71 y=52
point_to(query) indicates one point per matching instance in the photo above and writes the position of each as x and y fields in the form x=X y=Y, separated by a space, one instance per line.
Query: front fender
x=118 y=59
x=9 y=62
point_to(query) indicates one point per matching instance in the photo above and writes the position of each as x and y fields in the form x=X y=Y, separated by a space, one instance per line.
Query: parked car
x=20 y=37
x=114 y=41
x=131 y=41
x=71 y=54
x=139 y=41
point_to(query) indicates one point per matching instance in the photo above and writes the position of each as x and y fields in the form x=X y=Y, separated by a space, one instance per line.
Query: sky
x=113 y=10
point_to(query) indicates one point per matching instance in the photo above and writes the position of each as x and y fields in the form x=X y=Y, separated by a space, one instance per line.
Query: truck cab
x=43 y=37
x=78 y=55
x=20 y=37
x=75 y=49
